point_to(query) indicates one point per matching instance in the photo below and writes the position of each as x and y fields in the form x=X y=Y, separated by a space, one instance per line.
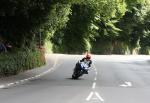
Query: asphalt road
x=112 y=79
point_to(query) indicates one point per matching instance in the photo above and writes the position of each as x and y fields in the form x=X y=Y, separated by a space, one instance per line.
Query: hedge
x=14 y=63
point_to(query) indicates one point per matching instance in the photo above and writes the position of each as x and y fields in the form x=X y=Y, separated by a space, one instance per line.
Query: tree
x=132 y=23
x=21 y=21
x=84 y=23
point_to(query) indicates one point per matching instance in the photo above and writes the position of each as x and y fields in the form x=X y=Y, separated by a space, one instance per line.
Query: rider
x=87 y=61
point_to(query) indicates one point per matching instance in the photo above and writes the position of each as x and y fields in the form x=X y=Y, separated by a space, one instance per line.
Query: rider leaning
x=87 y=60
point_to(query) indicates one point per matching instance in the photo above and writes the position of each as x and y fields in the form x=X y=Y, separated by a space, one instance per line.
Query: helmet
x=88 y=56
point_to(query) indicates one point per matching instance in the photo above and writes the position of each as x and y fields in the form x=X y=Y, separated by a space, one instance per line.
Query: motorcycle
x=80 y=69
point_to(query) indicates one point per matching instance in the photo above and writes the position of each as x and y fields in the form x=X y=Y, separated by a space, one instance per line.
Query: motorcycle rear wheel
x=74 y=77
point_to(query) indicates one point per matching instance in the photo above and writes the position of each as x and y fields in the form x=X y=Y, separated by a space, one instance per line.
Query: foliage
x=77 y=34
x=105 y=46
x=132 y=24
x=57 y=19
x=23 y=21
x=84 y=24
x=75 y=26
x=20 y=19
x=145 y=37
x=14 y=63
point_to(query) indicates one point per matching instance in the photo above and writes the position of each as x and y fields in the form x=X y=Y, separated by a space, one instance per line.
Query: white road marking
x=127 y=84
x=123 y=85
x=25 y=79
x=95 y=78
x=89 y=97
x=21 y=80
x=94 y=85
x=97 y=94
x=11 y=83
x=98 y=97
x=2 y=86
x=17 y=82
x=96 y=73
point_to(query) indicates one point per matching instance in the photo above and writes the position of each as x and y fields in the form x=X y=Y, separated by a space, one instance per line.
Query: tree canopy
x=76 y=26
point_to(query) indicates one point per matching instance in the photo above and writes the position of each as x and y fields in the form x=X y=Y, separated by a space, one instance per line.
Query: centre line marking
x=96 y=72
x=94 y=85
x=95 y=78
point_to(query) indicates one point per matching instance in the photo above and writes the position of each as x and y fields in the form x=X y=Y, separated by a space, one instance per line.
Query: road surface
x=112 y=79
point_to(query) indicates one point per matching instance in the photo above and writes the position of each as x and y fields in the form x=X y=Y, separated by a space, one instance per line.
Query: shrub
x=13 y=63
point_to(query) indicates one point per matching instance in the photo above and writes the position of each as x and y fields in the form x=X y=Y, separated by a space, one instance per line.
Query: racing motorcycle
x=80 y=69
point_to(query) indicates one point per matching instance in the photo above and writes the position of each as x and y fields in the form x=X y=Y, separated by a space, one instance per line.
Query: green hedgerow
x=13 y=63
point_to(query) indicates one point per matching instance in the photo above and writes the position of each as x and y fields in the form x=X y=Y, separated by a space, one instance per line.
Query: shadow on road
x=75 y=79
